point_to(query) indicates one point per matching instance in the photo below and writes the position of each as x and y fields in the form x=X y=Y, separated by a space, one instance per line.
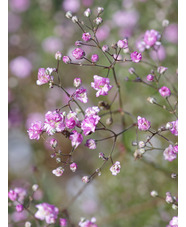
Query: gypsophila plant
x=91 y=124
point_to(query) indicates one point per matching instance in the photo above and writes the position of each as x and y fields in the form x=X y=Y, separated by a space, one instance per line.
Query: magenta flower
x=19 y=207
x=94 y=58
x=151 y=37
x=76 y=139
x=143 y=124
x=43 y=77
x=58 y=171
x=122 y=43
x=173 y=222
x=115 y=169
x=47 y=212
x=91 y=144
x=169 y=153
x=54 y=122
x=71 y=120
x=35 y=130
x=81 y=95
x=136 y=57
x=12 y=195
x=174 y=129
x=150 y=77
x=175 y=149
x=165 y=91
x=86 y=36
x=88 y=125
x=66 y=59
x=101 y=85
x=77 y=82
x=78 y=53
x=73 y=167
x=63 y=222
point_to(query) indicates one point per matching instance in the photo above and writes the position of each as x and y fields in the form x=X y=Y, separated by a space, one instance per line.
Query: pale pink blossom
x=76 y=139
x=136 y=57
x=81 y=95
x=115 y=168
x=143 y=124
x=169 y=153
x=35 y=130
x=101 y=85
x=91 y=144
x=47 y=212
x=165 y=91
x=58 y=171
x=73 y=167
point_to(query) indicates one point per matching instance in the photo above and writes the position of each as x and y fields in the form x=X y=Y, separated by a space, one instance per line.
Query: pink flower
x=78 y=53
x=76 y=139
x=105 y=48
x=173 y=222
x=165 y=91
x=174 y=129
x=47 y=212
x=12 y=195
x=91 y=144
x=54 y=122
x=150 y=77
x=63 y=222
x=86 y=36
x=92 y=111
x=169 y=153
x=175 y=149
x=143 y=124
x=73 y=167
x=58 y=171
x=150 y=37
x=122 y=43
x=115 y=169
x=136 y=57
x=35 y=130
x=87 y=223
x=19 y=207
x=88 y=125
x=71 y=120
x=95 y=58
x=43 y=77
x=66 y=59
x=81 y=95
x=102 y=85
x=77 y=82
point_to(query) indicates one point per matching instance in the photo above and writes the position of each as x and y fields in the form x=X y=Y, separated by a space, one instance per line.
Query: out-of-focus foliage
x=36 y=31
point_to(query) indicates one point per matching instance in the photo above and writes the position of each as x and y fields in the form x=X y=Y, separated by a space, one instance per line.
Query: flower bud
x=85 y=179
x=87 y=12
x=19 y=208
x=174 y=207
x=74 y=19
x=141 y=144
x=151 y=100
x=58 y=160
x=169 y=125
x=28 y=224
x=131 y=70
x=78 y=43
x=68 y=14
x=165 y=23
x=77 y=82
x=94 y=58
x=66 y=59
x=105 y=48
x=109 y=121
x=154 y=193
x=58 y=55
x=35 y=187
x=100 y=10
x=98 y=20
x=73 y=167
x=53 y=143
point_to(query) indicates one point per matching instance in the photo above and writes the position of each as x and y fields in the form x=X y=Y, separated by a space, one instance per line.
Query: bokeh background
x=39 y=28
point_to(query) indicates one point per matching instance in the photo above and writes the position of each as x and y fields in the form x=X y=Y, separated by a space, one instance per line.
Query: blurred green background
x=37 y=29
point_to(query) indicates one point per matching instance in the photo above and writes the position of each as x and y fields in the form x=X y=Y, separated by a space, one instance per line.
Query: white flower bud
x=174 y=207
x=141 y=144
x=87 y=12
x=100 y=10
x=154 y=193
x=165 y=23
x=35 y=187
x=151 y=100
x=28 y=224
x=74 y=19
x=68 y=14
x=98 y=20
x=169 y=125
